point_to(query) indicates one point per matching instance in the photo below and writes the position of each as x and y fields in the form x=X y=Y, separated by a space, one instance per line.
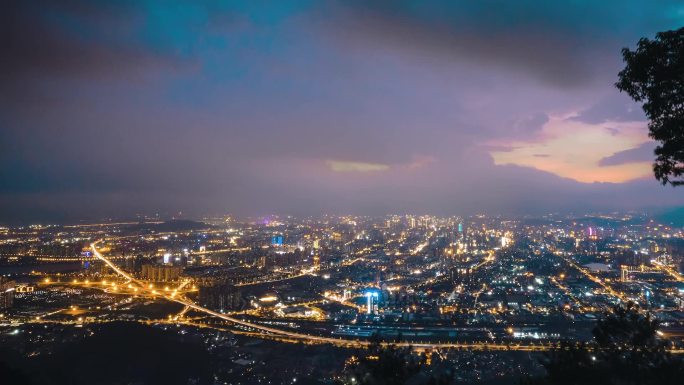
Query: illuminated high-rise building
x=6 y=293
x=372 y=302
x=220 y=296
x=277 y=240
x=160 y=273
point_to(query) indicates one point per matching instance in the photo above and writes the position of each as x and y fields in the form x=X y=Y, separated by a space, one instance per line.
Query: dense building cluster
x=454 y=284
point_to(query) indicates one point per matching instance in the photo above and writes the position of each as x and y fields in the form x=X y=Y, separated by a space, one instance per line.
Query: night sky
x=322 y=107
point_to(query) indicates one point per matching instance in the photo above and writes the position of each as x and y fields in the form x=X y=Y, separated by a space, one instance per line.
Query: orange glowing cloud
x=573 y=149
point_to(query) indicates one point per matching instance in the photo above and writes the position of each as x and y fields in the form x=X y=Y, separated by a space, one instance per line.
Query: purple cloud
x=616 y=108
x=643 y=153
x=128 y=109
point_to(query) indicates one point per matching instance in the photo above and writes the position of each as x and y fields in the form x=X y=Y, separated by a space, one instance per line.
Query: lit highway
x=286 y=335
x=674 y=274
x=595 y=279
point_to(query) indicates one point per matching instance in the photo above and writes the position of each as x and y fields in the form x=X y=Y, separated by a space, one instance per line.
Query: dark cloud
x=118 y=108
x=50 y=38
x=48 y=42
x=643 y=153
x=563 y=44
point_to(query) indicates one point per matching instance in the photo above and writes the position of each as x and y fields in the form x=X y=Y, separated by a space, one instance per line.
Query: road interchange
x=287 y=335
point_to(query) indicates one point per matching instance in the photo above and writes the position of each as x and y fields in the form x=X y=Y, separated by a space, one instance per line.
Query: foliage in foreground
x=654 y=75
x=625 y=350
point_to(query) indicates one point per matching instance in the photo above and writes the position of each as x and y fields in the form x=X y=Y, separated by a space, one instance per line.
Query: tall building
x=6 y=293
x=372 y=302
x=277 y=240
x=158 y=273
x=134 y=263
x=220 y=296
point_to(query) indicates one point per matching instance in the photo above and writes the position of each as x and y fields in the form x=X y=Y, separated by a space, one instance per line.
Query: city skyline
x=342 y=192
x=307 y=108
x=473 y=299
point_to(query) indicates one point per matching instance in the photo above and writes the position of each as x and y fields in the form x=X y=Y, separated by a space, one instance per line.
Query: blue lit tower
x=371 y=302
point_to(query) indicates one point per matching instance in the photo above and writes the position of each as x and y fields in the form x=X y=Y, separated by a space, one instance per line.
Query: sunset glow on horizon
x=573 y=149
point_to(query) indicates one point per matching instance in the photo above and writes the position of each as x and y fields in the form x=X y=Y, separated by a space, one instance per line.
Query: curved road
x=319 y=339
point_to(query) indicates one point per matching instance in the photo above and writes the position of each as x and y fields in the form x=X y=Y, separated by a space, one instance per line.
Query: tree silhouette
x=626 y=350
x=654 y=75
x=116 y=353
x=383 y=364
